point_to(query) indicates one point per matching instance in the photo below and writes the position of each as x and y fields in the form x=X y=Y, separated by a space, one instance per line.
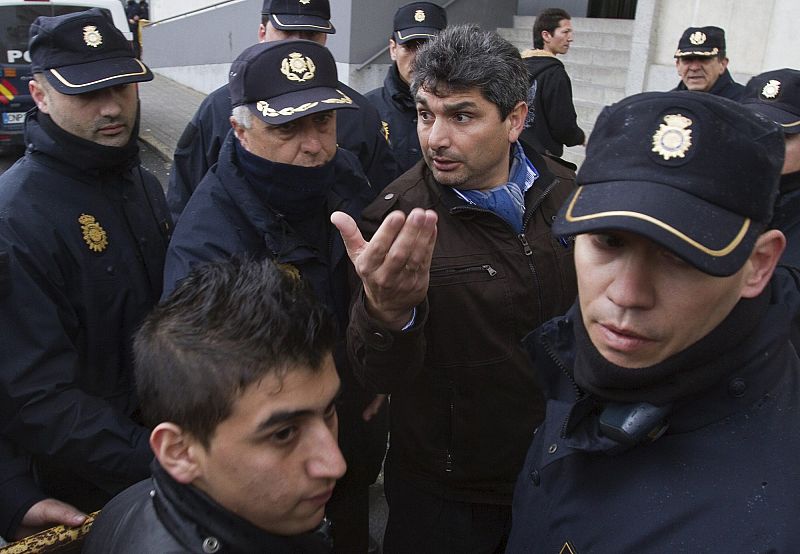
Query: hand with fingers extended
x=395 y=264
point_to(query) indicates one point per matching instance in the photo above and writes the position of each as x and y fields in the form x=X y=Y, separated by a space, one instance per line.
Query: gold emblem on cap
x=92 y=37
x=94 y=235
x=305 y=2
x=771 y=89
x=419 y=16
x=673 y=139
x=697 y=38
x=297 y=68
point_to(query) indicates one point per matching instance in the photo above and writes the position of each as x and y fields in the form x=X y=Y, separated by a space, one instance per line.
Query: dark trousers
x=422 y=522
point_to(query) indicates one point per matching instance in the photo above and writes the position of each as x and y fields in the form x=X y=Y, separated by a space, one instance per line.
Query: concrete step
x=596 y=56
x=584 y=90
x=614 y=77
x=581 y=24
x=590 y=39
x=587 y=113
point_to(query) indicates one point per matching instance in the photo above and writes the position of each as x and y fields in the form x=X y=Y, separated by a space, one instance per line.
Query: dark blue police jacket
x=398 y=112
x=82 y=248
x=358 y=131
x=723 y=478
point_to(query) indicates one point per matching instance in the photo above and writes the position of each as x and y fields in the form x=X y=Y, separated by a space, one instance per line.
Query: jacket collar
x=398 y=89
x=765 y=358
x=202 y=525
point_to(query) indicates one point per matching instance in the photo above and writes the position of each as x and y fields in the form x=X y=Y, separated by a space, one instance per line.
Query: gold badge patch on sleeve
x=94 y=235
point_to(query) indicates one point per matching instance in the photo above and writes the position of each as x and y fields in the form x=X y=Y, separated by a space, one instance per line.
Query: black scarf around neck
x=191 y=516
x=88 y=155
x=688 y=372
x=291 y=190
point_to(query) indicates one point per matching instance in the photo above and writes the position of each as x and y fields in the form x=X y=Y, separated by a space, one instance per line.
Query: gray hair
x=243 y=116
x=463 y=57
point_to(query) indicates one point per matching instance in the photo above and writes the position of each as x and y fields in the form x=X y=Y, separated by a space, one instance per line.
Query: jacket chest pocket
x=471 y=314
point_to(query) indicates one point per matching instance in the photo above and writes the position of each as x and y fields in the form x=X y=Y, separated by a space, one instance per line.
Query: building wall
x=576 y=8
x=162 y=9
x=363 y=27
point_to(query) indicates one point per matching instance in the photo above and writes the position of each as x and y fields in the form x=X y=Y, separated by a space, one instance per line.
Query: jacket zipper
x=526 y=247
x=448 y=464
x=575 y=387
x=474 y=269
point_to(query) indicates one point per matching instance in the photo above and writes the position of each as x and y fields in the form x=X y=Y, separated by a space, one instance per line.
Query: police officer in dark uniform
x=414 y=24
x=776 y=95
x=279 y=177
x=83 y=234
x=358 y=131
x=702 y=63
x=673 y=387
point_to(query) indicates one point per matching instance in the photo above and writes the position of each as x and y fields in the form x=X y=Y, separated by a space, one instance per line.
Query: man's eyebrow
x=288 y=415
x=451 y=108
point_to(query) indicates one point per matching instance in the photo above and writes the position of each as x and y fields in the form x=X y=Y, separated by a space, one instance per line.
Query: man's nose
x=326 y=461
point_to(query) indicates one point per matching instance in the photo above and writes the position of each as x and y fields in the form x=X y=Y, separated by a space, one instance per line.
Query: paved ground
x=167 y=107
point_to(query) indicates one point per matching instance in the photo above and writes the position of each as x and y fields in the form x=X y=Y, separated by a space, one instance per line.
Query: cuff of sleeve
x=17 y=495
x=377 y=336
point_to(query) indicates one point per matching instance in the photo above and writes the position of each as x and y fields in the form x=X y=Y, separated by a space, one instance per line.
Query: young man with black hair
x=236 y=374
x=552 y=122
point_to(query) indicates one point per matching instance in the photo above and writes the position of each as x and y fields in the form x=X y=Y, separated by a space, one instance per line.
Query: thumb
x=353 y=239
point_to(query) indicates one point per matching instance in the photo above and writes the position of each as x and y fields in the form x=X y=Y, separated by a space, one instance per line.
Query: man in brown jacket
x=460 y=266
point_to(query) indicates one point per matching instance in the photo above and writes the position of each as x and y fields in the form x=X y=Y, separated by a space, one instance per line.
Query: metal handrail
x=383 y=50
x=197 y=10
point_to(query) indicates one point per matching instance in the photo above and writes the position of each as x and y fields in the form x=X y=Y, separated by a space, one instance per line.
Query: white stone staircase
x=597 y=63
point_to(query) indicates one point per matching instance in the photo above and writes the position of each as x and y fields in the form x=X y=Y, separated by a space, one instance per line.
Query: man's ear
x=262 y=33
x=516 y=119
x=177 y=452
x=39 y=95
x=762 y=261
x=239 y=132
x=393 y=49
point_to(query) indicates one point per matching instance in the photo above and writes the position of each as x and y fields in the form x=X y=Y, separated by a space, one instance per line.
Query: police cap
x=418 y=21
x=776 y=95
x=695 y=173
x=83 y=51
x=299 y=15
x=701 y=41
x=284 y=80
